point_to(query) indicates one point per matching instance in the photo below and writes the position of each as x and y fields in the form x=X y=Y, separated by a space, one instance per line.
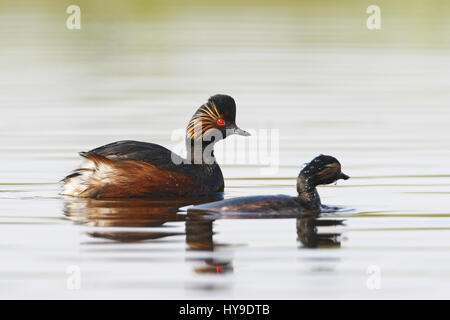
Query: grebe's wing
x=279 y=205
x=135 y=151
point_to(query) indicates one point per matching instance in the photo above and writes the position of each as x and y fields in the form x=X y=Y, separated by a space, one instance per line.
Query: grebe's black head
x=321 y=170
x=216 y=117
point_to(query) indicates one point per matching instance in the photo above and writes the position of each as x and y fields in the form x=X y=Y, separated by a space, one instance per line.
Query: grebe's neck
x=307 y=193
x=200 y=151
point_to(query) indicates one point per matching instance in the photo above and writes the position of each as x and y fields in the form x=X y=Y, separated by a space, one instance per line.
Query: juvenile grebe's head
x=216 y=118
x=321 y=170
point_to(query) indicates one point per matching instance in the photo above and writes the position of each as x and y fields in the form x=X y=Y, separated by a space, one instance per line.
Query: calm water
x=376 y=100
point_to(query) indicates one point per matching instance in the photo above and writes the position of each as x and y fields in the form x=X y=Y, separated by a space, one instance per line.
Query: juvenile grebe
x=321 y=170
x=139 y=169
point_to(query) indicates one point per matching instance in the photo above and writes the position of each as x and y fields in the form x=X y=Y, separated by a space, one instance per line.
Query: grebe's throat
x=307 y=193
x=200 y=152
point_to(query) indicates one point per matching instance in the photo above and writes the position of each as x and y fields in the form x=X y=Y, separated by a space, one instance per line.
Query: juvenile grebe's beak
x=344 y=176
x=238 y=131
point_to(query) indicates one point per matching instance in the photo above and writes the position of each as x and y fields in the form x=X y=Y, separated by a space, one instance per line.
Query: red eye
x=221 y=122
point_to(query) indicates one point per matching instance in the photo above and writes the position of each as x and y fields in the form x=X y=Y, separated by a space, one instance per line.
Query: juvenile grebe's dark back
x=140 y=169
x=321 y=170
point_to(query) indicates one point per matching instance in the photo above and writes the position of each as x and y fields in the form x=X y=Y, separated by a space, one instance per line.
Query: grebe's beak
x=239 y=131
x=344 y=176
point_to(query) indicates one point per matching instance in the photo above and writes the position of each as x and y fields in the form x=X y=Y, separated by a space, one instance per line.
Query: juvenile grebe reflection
x=308 y=235
x=200 y=237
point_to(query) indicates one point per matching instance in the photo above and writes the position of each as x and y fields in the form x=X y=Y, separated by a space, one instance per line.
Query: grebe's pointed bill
x=343 y=176
x=238 y=131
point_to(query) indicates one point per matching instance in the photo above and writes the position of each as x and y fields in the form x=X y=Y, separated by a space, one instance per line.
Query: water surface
x=376 y=100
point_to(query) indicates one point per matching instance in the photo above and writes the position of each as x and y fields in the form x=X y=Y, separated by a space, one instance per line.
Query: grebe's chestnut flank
x=321 y=170
x=139 y=169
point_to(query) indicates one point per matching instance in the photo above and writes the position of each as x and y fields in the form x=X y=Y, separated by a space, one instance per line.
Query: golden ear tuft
x=205 y=119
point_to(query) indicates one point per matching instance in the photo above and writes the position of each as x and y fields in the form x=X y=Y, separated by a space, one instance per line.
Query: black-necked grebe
x=139 y=169
x=321 y=170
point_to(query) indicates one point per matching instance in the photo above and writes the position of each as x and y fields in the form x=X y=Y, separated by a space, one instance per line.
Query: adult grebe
x=140 y=169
